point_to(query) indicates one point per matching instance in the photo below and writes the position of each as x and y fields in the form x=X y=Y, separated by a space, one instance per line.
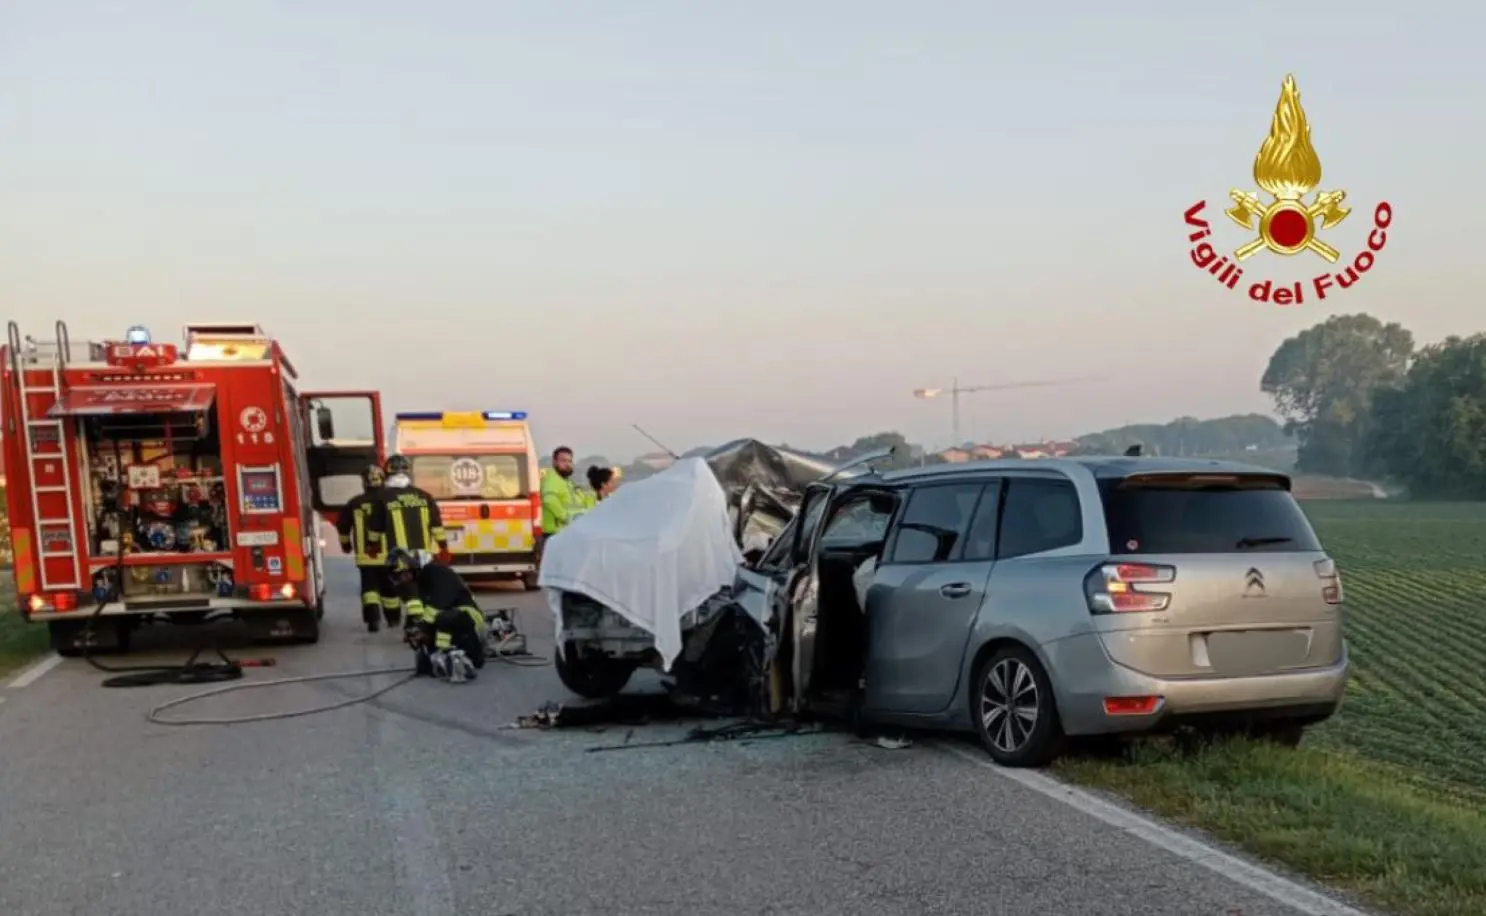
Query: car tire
x=1013 y=709
x=591 y=678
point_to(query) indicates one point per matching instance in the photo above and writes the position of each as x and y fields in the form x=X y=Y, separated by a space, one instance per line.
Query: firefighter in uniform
x=445 y=628
x=413 y=522
x=362 y=530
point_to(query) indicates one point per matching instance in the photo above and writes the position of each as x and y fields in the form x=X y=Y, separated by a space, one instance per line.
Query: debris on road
x=625 y=709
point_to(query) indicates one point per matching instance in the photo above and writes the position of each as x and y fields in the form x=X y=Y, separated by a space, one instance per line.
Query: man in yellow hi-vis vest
x=561 y=500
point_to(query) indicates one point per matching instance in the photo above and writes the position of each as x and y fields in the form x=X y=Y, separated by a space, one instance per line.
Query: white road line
x=1266 y=882
x=34 y=673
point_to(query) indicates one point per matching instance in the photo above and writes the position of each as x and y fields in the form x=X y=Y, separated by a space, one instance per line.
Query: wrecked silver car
x=646 y=578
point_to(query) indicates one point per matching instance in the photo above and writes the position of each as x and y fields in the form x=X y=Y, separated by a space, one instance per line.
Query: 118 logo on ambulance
x=1286 y=170
x=466 y=474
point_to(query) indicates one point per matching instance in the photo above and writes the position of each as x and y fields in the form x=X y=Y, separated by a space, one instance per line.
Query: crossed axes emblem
x=1249 y=212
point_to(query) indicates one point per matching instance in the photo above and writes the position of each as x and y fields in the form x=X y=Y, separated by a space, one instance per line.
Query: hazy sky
x=720 y=219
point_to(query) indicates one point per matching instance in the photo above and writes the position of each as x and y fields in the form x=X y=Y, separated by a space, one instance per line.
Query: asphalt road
x=424 y=803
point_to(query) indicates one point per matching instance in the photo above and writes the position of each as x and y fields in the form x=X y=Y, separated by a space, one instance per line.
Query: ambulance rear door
x=344 y=436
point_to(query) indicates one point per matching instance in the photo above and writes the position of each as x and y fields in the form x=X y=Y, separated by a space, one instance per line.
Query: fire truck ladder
x=24 y=355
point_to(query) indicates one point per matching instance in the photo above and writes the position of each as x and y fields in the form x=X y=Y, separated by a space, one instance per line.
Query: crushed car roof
x=749 y=461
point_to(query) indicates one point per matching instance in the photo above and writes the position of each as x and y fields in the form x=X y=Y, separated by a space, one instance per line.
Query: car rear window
x=1204 y=514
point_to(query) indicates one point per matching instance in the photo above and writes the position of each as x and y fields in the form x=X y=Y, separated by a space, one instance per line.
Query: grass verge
x=20 y=642
x=1345 y=822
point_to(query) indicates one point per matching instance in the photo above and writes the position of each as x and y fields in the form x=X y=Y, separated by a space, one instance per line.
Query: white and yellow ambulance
x=481 y=467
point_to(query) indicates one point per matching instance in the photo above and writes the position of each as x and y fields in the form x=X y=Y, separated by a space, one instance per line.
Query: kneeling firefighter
x=444 y=627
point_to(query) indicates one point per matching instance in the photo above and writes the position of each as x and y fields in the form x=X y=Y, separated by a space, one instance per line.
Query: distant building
x=989 y=452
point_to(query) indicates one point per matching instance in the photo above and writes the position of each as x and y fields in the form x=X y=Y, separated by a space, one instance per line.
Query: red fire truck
x=148 y=482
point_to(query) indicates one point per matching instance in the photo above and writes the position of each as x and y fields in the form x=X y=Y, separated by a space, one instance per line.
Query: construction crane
x=956 y=389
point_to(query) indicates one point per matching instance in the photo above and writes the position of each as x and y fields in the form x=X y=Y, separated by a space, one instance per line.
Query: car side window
x=777 y=554
x=863 y=520
x=980 y=541
x=808 y=520
x=934 y=523
x=1040 y=514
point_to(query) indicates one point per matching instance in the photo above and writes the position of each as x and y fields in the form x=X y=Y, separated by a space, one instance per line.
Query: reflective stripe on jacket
x=360 y=526
x=413 y=519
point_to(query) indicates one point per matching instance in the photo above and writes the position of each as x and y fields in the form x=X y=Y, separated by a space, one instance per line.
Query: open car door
x=344 y=435
x=851 y=524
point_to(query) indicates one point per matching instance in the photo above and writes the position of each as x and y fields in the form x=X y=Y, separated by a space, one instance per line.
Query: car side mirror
x=324 y=422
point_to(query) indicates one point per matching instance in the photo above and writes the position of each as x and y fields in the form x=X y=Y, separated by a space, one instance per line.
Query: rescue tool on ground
x=481 y=469
x=150 y=482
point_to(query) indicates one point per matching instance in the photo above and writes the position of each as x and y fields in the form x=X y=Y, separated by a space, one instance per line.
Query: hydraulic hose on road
x=190 y=671
x=154 y=715
x=510 y=658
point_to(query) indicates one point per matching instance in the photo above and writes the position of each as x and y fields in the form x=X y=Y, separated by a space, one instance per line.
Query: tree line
x=1362 y=400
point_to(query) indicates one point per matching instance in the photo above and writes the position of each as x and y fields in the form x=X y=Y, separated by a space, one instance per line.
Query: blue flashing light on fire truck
x=150 y=482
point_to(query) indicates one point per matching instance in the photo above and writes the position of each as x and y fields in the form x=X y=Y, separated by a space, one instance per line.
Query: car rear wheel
x=591 y=677
x=1014 y=711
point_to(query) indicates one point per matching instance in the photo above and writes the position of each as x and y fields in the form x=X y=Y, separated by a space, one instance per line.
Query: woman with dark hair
x=603 y=481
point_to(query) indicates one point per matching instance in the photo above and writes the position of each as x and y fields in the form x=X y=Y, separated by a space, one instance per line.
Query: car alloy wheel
x=1015 y=713
x=1008 y=705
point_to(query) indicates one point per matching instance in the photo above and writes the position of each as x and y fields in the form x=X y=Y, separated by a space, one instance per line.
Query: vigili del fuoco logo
x=1286 y=170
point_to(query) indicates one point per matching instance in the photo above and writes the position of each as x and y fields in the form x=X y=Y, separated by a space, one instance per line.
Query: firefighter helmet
x=373 y=477
x=399 y=464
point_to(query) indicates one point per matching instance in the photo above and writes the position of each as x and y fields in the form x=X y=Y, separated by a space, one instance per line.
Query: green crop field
x=1414 y=576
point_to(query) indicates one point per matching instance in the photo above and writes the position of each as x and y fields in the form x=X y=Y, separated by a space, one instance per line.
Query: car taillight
x=65 y=601
x=1124 y=588
x=260 y=592
x=287 y=590
x=1327 y=572
x=536 y=514
x=37 y=603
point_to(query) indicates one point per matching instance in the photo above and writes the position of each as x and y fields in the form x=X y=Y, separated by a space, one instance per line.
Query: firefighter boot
x=392 y=614
x=439 y=663
x=369 y=615
x=461 y=669
x=422 y=662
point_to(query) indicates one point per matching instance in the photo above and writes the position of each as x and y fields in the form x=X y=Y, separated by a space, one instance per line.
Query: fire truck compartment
x=154 y=498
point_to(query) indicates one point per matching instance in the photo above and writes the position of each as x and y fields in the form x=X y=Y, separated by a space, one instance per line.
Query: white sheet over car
x=654 y=550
